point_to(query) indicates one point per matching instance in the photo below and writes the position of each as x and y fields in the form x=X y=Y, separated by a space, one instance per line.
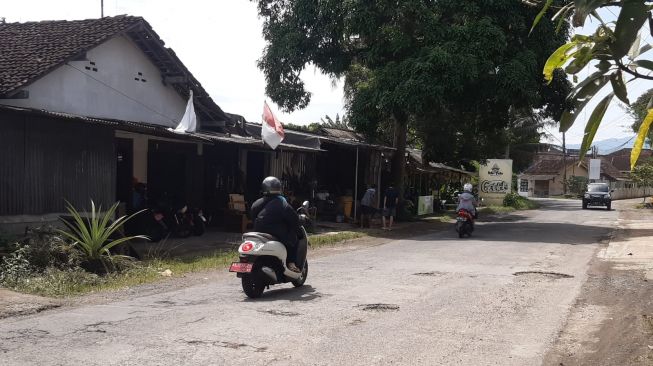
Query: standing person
x=390 y=202
x=367 y=205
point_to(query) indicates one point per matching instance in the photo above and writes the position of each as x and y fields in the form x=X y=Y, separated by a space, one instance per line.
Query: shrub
x=576 y=184
x=93 y=236
x=15 y=268
x=518 y=202
x=45 y=247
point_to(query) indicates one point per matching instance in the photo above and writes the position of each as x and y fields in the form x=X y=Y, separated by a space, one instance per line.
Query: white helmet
x=468 y=187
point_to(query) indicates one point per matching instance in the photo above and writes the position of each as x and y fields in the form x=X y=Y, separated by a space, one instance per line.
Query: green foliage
x=42 y=248
x=15 y=267
x=642 y=175
x=518 y=202
x=94 y=235
x=342 y=124
x=615 y=50
x=638 y=111
x=448 y=70
x=576 y=184
x=310 y=128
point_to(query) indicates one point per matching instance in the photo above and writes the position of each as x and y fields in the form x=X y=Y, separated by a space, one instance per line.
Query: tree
x=342 y=124
x=448 y=69
x=643 y=176
x=639 y=109
x=613 y=51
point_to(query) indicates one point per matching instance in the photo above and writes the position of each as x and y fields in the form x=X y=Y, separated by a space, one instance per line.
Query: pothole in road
x=280 y=312
x=429 y=274
x=552 y=275
x=378 y=307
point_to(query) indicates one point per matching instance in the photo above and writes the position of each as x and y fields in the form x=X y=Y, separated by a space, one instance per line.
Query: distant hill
x=610 y=145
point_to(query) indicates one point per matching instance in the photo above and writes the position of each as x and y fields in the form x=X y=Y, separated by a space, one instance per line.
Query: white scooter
x=263 y=260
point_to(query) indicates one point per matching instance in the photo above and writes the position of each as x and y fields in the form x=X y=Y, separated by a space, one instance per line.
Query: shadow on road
x=304 y=293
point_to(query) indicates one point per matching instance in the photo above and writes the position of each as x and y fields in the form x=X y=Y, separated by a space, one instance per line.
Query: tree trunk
x=399 y=159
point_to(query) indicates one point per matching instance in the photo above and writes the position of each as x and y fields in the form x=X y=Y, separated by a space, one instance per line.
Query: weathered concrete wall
x=625 y=193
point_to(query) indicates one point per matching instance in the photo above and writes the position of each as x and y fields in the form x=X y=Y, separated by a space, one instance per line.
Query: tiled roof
x=30 y=50
x=554 y=167
x=621 y=159
x=546 y=166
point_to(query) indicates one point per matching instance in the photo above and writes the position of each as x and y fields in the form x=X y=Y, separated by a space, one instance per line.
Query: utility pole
x=101 y=8
x=564 y=164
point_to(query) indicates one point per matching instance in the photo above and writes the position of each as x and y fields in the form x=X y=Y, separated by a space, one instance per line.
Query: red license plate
x=241 y=267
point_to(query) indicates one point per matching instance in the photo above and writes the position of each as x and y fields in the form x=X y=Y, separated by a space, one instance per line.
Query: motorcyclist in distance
x=467 y=201
x=273 y=215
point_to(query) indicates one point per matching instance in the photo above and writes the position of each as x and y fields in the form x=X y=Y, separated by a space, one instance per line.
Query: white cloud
x=219 y=41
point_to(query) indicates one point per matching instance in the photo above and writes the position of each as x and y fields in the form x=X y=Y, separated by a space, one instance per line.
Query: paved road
x=444 y=301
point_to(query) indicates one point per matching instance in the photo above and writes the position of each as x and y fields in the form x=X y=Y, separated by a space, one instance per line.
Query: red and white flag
x=272 y=130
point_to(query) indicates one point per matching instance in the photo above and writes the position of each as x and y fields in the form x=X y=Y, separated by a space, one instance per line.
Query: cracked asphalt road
x=433 y=299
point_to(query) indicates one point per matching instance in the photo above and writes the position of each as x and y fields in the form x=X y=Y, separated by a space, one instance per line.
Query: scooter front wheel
x=252 y=287
x=300 y=281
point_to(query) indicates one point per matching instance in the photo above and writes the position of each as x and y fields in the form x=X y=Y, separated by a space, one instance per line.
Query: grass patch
x=320 y=240
x=491 y=210
x=63 y=283
x=442 y=217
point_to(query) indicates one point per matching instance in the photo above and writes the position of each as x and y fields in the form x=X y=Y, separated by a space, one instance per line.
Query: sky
x=220 y=42
x=616 y=122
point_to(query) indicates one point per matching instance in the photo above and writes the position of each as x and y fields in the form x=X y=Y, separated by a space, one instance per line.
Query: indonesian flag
x=188 y=122
x=272 y=130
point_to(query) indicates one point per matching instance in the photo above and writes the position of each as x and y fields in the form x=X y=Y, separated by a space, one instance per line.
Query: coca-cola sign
x=494 y=186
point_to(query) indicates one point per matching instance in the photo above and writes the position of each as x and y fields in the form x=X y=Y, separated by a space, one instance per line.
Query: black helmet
x=271 y=185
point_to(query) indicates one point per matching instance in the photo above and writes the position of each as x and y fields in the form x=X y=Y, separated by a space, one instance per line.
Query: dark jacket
x=275 y=216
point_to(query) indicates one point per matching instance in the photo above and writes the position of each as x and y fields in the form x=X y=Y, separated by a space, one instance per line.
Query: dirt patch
x=378 y=307
x=611 y=322
x=552 y=275
x=13 y=303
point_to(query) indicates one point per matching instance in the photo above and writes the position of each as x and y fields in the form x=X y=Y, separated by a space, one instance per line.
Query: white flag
x=188 y=122
x=272 y=131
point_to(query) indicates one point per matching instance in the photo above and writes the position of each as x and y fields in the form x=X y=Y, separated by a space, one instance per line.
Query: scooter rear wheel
x=252 y=287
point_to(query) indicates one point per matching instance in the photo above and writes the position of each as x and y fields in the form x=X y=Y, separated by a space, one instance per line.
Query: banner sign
x=595 y=169
x=495 y=180
x=424 y=205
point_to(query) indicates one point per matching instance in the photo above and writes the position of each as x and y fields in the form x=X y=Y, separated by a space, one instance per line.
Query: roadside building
x=85 y=108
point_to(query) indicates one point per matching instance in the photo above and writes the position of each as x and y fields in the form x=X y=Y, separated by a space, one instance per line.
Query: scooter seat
x=258 y=236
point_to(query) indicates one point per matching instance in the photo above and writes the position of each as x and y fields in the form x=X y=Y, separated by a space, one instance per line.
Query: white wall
x=109 y=92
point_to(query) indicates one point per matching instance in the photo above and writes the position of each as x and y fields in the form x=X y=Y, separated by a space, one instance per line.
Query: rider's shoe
x=293 y=267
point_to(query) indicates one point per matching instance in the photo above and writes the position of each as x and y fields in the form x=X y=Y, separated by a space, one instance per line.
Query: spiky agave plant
x=92 y=234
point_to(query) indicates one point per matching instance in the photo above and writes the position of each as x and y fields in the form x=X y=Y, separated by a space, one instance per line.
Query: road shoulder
x=611 y=322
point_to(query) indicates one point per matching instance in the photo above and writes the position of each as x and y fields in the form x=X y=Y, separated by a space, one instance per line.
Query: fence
x=625 y=190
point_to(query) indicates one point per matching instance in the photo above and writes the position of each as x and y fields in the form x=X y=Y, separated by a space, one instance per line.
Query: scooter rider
x=467 y=201
x=273 y=215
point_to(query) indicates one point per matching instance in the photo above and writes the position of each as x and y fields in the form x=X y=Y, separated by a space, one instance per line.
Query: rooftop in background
x=29 y=51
